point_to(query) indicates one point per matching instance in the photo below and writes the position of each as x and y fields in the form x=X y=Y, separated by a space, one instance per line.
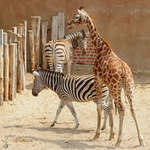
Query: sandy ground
x=25 y=123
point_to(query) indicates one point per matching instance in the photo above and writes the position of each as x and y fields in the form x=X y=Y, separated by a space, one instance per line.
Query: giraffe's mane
x=107 y=43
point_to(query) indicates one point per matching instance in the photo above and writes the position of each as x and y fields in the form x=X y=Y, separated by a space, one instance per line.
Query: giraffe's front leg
x=121 y=111
x=98 y=121
x=98 y=87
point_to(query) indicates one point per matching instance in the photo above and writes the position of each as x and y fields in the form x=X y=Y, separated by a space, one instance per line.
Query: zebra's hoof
x=103 y=128
x=96 y=136
x=53 y=124
x=77 y=125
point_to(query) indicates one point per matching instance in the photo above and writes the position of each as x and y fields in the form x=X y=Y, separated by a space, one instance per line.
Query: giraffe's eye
x=77 y=17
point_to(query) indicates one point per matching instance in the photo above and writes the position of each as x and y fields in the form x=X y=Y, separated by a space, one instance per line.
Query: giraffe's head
x=79 y=17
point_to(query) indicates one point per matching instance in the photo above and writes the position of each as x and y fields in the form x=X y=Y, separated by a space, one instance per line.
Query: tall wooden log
x=1 y=68
x=44 y=40
x=9 y=36
x=35 y=23
x=20 y=28
x=25 y=45
x=31 y=50
x=6 y=72
x=54 y=33
x=5 y=38
x=19 y=64
x=61 y=25
x=12 y=70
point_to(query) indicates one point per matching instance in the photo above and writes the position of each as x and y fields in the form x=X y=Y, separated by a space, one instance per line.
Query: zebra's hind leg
x=71 y=108
x=59 y=109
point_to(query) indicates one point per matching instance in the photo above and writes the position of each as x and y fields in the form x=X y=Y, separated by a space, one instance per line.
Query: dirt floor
x=25 y=122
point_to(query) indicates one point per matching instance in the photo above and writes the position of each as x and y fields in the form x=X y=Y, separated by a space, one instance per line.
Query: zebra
x=71 y=88
x=60 y=52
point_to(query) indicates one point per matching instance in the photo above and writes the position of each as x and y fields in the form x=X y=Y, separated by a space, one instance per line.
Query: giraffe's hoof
x=77 y=125
x=96 y=136
x=111 y=136
x=118 y=143
x=141 y=140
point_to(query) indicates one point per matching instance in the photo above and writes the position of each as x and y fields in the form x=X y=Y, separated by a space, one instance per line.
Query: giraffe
x=110 y=70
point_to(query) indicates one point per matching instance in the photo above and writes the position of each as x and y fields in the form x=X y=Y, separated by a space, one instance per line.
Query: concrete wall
x=125 y=24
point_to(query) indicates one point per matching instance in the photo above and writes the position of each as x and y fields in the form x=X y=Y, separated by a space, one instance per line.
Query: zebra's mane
x=51 y=72
x=67 y=35
x=75 y=39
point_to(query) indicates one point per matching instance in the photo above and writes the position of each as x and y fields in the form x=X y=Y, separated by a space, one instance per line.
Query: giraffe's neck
x=100 y=44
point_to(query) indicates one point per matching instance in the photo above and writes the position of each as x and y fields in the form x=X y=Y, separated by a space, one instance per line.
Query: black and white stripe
x=60 y=52
x=69 y=88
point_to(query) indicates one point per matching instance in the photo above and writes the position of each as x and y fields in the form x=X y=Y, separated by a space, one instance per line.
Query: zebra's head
x=79 y=17
x=38 y=84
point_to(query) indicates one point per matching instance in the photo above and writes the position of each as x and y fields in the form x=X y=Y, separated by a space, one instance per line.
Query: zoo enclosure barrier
x=21 y=51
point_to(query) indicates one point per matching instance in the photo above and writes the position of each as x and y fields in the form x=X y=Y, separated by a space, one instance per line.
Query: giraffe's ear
x=81 y=7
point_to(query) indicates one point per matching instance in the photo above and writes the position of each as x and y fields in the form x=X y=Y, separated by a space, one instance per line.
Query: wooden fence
x=21 y=51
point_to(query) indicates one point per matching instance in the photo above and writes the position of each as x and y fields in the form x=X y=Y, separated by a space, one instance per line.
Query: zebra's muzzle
x=34 y=94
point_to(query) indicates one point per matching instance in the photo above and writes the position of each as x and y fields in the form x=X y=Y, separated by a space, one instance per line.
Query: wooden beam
x=1 y=68
x=31 y=50
x=61 y=25
x=35 y=23
x=12 y=70
x=6 y=72
x=44 y=41
x=54 y=33
x=25 y=45
x=20 y=28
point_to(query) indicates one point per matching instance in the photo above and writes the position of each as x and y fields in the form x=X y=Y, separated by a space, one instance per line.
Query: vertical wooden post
x=44 y=40
x=31 y=49
x=14 y=32
x=19 y=64
x=9 y=36
x=1 y=68
x=54 y=34
x=35 y=23
x=5 y=38
x=6 y=72
x=12 y=70
x=61 y=25
x=15 y=39
x=25 y=45
x=21 y=49
x=6 y=66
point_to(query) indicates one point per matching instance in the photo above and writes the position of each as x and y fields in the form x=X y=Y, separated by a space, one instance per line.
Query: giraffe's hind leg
x=121 y=111
x=130 y=97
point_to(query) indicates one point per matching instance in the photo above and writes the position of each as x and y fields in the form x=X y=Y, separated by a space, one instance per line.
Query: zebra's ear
x=35 y=73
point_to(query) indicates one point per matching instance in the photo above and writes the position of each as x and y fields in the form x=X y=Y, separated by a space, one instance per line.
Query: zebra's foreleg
x=69 y=66
x=71 y=108
x=59 y=109
x=105 y=120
